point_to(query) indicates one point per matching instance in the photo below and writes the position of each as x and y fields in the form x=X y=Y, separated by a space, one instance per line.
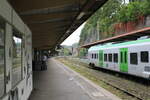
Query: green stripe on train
x=123 y=60
x=101 y=58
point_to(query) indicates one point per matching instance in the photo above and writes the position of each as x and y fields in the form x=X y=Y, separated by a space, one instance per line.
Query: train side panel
x=141 y=64
x=130 y=59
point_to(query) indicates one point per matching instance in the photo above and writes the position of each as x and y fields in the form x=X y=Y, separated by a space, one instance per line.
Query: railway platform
x=59 y=82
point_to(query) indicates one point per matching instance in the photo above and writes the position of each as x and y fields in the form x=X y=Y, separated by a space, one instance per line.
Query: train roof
x=110 y=45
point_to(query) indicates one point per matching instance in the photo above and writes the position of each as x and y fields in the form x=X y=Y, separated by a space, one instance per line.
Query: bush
x=145 y=7
x=82 y=52
x=121 y=14
x=133 y=10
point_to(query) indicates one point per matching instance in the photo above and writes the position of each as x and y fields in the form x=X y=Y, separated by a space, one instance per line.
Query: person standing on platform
x=44 y=66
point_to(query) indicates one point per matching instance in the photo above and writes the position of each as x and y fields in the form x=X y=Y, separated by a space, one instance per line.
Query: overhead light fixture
x=80 y=15
x=68 y=31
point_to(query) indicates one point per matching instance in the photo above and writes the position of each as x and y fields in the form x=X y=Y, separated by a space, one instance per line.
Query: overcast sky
x=74 y=37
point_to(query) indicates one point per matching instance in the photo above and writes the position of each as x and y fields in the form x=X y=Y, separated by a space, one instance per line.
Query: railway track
x=138 y=90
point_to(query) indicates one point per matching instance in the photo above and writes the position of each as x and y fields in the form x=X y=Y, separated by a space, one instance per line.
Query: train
x=15 y=55
x=129 y=57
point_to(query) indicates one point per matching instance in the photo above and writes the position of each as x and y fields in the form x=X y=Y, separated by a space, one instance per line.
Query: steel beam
x=60 y=9
x=52 y=21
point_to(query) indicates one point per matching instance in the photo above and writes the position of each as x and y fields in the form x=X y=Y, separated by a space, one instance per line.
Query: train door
x=101 y=58
x=124 y=59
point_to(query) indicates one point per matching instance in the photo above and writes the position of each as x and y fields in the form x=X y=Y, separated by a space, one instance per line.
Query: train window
x=95 y=55
x=121 y=57
x=105 y=57
x=144 y=56
x=17 y=58
x=115 y=57
x=2 y=59
x=133 y=58
x=110 y=57
x=125 y=57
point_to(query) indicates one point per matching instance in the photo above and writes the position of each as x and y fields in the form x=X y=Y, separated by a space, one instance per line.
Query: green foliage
x=66 y=52
x=145 y=7
x=121 y=15
x=114 y=11
x=105 y=17
x=133 y=10
x=82 y=52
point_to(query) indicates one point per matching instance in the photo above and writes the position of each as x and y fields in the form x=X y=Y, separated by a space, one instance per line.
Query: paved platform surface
x=61 y=83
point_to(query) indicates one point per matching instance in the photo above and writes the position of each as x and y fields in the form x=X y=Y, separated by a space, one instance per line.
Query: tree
x=105 y=16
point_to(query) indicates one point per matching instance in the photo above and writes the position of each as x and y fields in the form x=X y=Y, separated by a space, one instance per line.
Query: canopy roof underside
x=52 y=21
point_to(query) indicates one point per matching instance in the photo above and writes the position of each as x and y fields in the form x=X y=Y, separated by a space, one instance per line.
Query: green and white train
x=15 y=55
x=132 y=57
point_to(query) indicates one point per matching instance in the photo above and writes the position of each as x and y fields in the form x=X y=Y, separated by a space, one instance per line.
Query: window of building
x=17 y=58
x=133 y=58
x=110 y=57
x=105 y=57
x=144 y=56
x=2 y=58
x=115 y=57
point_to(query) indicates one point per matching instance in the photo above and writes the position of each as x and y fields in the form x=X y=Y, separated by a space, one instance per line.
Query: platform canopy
x=52 y=21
